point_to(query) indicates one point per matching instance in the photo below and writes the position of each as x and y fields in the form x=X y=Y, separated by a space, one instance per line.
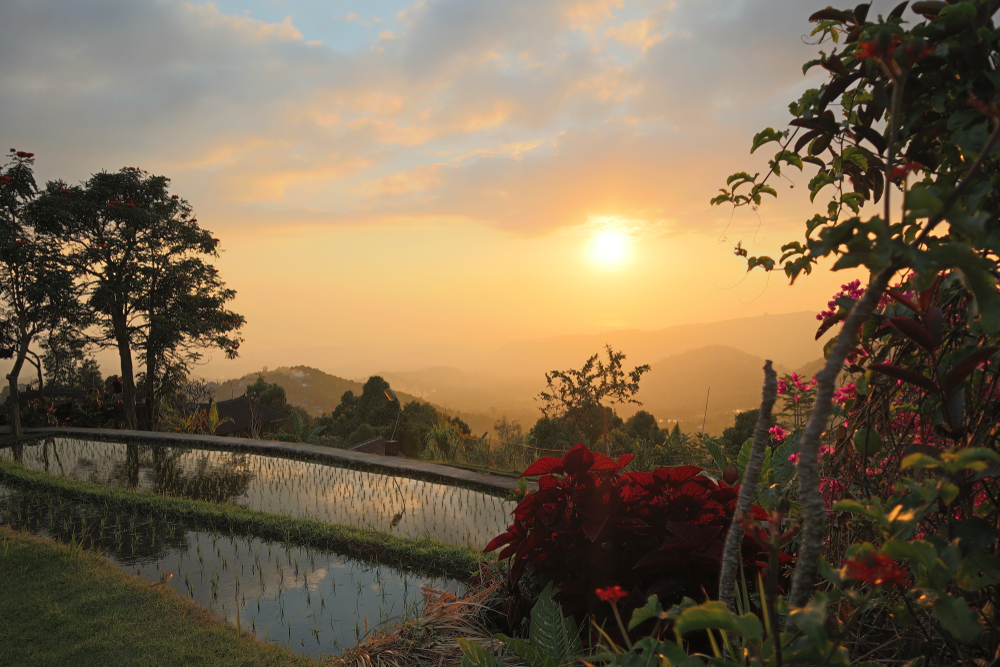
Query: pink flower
x=782 y=388
x=778 y=433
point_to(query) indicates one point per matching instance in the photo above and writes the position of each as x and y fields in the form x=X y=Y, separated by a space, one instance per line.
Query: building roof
x=244 y=413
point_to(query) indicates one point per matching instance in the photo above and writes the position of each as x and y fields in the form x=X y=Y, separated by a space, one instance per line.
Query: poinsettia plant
x=591 y=526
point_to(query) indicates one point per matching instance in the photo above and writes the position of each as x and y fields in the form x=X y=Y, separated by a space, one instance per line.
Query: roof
x=244 y=412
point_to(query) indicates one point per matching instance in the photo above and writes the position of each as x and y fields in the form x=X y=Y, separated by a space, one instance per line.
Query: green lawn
x=63 y=608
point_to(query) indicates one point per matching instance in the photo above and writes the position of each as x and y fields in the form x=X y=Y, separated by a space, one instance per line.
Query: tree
x=555 y=434
x=743 y=428
x=916 y=102
x=142 y=259
x=643 y=426
x=36 y=290
x=579 y=395
x=417 y=420
x=270 y=394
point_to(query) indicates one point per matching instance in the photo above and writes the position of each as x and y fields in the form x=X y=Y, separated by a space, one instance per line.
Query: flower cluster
x=778 y=433
x=851 y=290
x=877 y=569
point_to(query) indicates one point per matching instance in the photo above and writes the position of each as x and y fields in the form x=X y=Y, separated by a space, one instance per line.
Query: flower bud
x=730 y=474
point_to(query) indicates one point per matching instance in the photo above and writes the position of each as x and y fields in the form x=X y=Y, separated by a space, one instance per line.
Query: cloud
x=528 y=115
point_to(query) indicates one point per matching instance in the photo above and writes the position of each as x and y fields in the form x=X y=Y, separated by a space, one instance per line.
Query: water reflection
x=298 y=489
x=315 y=602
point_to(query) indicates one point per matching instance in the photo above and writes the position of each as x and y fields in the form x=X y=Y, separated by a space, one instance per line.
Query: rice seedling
x=278 y=592
x=286 y=487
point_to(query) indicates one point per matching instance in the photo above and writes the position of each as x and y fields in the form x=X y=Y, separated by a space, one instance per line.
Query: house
x=245 y=417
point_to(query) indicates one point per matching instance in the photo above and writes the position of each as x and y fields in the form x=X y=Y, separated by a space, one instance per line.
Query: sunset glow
x=610 y=248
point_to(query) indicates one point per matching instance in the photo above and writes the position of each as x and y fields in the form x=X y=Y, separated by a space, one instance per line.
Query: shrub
x=592 y=526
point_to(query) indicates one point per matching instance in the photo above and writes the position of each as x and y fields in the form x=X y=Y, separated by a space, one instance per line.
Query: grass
x=421 y=555
x=63 y=606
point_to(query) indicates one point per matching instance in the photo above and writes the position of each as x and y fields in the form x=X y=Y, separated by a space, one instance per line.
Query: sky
x=402 y=182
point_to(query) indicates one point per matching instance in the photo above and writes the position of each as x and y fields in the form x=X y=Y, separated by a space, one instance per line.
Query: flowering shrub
x=592 y=527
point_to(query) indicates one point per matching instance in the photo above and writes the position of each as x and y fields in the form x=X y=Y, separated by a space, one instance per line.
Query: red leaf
x=547 y=465
x=624 y=460
x=935 y=324
x=898 y=296
x=602 y=462
x=962 y=369
x=928 y=294
x=499 y=541
x=577 y=460
x=906 y=375
x=828 y=324
x=915 y=331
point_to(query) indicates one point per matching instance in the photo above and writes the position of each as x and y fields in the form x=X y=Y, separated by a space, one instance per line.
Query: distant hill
x=319 y=392
x=310 y=388
x=788 y=339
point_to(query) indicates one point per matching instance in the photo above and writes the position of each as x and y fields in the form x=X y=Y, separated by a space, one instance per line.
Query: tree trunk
x=127 y=378
x=15 y=398
x=813 y=508
x=150 y=391
x=731 y=556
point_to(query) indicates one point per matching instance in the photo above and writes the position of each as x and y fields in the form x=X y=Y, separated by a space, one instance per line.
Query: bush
x=591 y=526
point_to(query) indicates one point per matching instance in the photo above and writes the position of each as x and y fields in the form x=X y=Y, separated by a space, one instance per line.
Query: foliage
x=270 y=394
x=372 y=407
x=578 y=396
x=742 y=429
x=37 y=293
x=361 y=434
x=143 y=263
x=555 y=434
x=590 y=526
x=643 y=426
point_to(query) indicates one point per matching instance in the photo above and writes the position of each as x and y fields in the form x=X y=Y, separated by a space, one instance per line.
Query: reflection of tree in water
x=218 y=481
x=124 y=536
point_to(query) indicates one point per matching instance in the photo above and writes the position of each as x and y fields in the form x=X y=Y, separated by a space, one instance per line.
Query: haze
x=404 y=185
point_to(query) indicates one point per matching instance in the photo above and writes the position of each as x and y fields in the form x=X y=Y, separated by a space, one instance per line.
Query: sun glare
x=610 y=248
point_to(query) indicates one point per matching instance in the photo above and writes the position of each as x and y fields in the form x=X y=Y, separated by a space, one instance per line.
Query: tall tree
x=143 y=259
x=36 y=290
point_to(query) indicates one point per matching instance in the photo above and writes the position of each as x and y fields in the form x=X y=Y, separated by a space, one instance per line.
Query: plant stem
x=813 y=508
x=731 y=554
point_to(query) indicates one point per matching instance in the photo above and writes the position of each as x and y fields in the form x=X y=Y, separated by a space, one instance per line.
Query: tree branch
x=731 y=555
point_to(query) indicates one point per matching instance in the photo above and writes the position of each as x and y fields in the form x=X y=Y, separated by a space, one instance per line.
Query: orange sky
x=429 y=177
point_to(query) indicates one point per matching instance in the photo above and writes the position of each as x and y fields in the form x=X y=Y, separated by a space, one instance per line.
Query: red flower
x=24 y=154
x=215 y=270
x=903 y=170
x=876 y=569
x=611 y=594
x=194 y=219
x=216 y=240
x=12 y=150
x=130 y=205
x=174 y=197
x=5 y=179
x=184 y=278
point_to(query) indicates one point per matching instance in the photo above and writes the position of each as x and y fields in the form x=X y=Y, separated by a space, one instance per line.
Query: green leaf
x=653 y=609
x=744 y=456
x=956 y=617
x=550 y=632
x=818 y=182
x=715 y=616
x=765 y=136
x=979 y=569
x=474 y=655
x=528 y=653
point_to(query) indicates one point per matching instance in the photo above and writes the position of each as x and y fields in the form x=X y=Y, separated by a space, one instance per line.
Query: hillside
x=314 y=390
x=788 y=339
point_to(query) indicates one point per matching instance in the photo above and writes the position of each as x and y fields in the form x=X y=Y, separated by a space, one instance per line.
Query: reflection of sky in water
x=299 y=489
x=314 y=602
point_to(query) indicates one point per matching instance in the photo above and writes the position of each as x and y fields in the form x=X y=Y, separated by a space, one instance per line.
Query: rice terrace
x=487 y=360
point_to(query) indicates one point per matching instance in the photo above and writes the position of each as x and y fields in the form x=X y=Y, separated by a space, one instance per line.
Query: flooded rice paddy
x=298 y=489
x=314 y=602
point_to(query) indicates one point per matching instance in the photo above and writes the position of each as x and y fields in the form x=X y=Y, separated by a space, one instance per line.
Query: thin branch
x=731 y=555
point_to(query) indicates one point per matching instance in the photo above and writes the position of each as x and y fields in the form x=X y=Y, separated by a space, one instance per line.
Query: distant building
x=245 y=417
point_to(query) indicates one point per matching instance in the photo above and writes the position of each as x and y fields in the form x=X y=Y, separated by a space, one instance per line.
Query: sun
x=610 y=248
